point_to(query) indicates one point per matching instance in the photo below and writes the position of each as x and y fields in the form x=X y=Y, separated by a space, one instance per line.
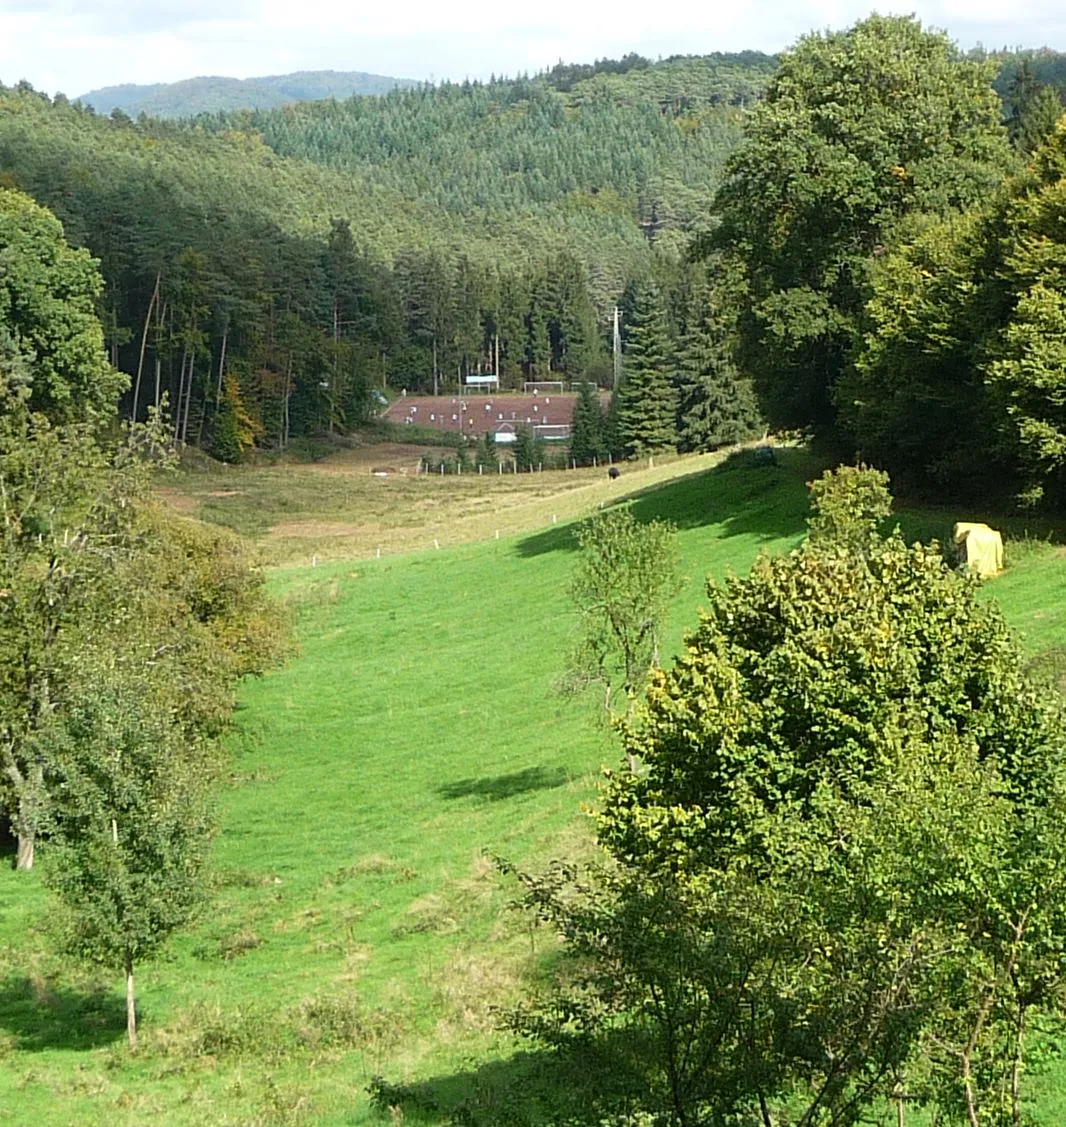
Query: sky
x=75 y=46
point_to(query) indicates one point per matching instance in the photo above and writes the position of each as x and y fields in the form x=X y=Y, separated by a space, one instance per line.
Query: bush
x=836 y=862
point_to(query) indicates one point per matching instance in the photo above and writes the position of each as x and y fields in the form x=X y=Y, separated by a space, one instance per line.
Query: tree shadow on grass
x=496 y=788
x=741 y=495
x=40 y=1017
x=529 y=1089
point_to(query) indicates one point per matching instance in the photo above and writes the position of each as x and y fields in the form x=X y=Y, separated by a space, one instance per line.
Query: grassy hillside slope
x=357 y=927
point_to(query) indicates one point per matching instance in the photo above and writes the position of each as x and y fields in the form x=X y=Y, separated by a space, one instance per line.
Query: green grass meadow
x=357 y=926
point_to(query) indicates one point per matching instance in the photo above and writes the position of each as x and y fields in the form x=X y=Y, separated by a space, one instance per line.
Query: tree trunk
x=221 y=368
x=203 y=404
x=26 y=818
x=285 y=413
x=24 y=855
x=336 y=363
x=131 y=1008
x=160 y=317
x=1016 y=1070
x=181 y=393
x=144 y=342
x=188 y=398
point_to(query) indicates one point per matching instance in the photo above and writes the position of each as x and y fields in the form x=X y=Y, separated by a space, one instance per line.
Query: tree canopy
x=50 y=337
x=858 y=130
x=958 y=381
x=825 y=862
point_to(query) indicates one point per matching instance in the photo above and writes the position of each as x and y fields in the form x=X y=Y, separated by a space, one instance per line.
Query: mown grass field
x=357 y=926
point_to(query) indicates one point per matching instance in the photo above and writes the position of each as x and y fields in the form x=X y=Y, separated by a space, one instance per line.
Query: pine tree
x=715 y=405
x=539 y=347
x=647 y=399
x=528 y=449
x=587 y=429
x=487 y=455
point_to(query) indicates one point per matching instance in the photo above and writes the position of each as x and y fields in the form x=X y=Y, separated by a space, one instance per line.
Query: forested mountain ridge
x=264 y=267
x=215 y=93
x=408 y=237
x=648 y=142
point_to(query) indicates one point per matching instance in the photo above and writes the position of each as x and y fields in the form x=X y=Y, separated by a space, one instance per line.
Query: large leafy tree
x=1027 y=355
x=915 y=400
x=858 y=130
x=85 y=566
x=88 y=566
x=958 y=381
x=826 y=862
x=48 y=293
x=67 y=525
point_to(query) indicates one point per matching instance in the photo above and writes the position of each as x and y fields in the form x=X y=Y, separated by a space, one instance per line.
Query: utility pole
x=334 y=383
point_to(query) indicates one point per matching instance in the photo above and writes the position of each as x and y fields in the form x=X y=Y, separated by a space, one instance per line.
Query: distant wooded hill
x=194 y=96
x=414 y=236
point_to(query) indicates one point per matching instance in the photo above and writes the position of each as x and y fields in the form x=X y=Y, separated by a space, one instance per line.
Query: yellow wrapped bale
x=978 y=548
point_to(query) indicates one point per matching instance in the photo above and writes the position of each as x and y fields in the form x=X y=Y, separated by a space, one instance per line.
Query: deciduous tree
x=622 y=584
x=858 y=130
x=48 y=293
x=128 y=822
x=826 y=861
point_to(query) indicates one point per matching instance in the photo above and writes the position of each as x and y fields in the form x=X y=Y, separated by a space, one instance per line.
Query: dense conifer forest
x=272 y=266
x=266 y=268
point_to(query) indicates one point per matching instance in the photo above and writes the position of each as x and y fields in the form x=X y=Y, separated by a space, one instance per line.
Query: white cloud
x=77 y=45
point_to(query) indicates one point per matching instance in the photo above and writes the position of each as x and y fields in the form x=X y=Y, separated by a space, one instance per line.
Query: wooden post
x=131 y=1007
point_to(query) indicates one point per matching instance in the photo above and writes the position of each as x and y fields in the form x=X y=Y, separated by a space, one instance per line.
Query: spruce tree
x=528 y=449
x=587 y=437
x=647 y=399
x=715 y=405
x=487 y=455
x=539 y=347
x=1034 y=109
